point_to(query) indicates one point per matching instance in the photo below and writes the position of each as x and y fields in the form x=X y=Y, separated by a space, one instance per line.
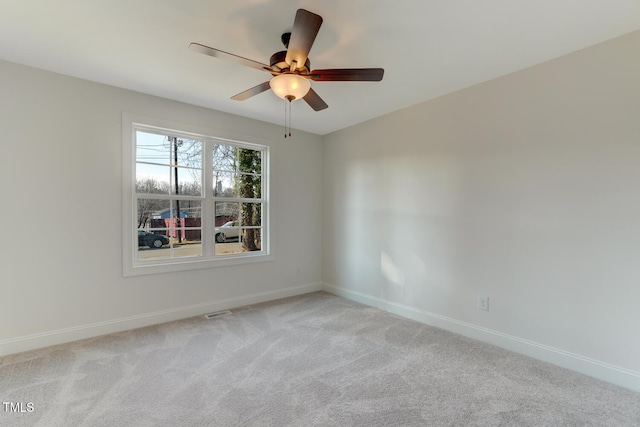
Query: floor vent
x=217 y=314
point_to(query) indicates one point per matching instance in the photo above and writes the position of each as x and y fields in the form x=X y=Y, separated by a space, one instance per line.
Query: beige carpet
x=314 y=360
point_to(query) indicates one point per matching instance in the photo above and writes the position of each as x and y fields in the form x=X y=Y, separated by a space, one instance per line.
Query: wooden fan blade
x=252 y=92
x=217 y=53
x=348 y=74
x=314 y=100
x=304 y=32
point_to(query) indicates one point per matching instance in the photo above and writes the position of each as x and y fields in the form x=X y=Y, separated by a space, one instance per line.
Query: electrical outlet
x=298 y=270
x=483 y=303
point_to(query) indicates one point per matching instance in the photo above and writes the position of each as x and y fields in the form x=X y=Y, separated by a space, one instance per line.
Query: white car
x=228 y=230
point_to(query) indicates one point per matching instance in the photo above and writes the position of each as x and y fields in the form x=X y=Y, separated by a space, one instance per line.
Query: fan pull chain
x=287 y=117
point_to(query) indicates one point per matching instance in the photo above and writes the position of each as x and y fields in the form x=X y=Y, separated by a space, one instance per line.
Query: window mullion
x=208 y=215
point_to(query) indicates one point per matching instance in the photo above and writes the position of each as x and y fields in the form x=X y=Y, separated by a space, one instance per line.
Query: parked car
x=226 y=231
x=152 y=240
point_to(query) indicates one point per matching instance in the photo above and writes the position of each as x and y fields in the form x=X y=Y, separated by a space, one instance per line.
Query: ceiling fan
x=291 y=69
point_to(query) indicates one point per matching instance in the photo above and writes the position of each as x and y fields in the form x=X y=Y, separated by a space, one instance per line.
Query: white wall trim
x=575 y=362
x=60 y=336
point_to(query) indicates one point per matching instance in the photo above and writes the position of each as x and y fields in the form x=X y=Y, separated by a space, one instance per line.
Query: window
x=194 y=199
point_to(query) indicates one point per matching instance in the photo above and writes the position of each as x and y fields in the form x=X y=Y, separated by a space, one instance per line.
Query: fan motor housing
x=277 y=61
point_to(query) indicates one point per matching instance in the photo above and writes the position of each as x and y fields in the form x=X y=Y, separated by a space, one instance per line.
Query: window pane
x=225 y=212
x=236 y=172
x=164 y=235
x=153 y=244
x=225 y=184
x=230 y=247
x=224 y=158
x=227 y=232
x=153 y=148
x=187 y=152
x=161 y=214
x=188 y=231
x=249 y=186
x=168 y=150
x=191 y=209
x=233 y=240
x=168 y=218
x=238 y=227
x=153 y=179
x=189 y=249
x=162 y=179
x=251 y=222
x=189 y=181
x=251 y=214
x=250 y=160
x=251 y=239
x=148 y=209
x=153 y=251
x=187 y=235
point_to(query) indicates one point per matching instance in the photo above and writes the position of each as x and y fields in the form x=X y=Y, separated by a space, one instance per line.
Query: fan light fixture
x=290 y=86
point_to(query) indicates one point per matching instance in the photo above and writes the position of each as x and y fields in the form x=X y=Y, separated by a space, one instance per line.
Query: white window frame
x=132 y=266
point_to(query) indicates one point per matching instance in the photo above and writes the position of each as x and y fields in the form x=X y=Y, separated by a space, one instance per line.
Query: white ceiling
x=427 y=47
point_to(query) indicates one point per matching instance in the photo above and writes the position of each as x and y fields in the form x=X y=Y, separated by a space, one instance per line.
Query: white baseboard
x=584 y=365
x=45 y=339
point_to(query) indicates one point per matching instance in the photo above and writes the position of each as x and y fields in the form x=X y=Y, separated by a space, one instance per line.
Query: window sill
x=173 y=265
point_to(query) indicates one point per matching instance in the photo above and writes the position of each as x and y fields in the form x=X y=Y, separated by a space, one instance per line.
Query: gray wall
x=525 y=189
x=61 y=175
